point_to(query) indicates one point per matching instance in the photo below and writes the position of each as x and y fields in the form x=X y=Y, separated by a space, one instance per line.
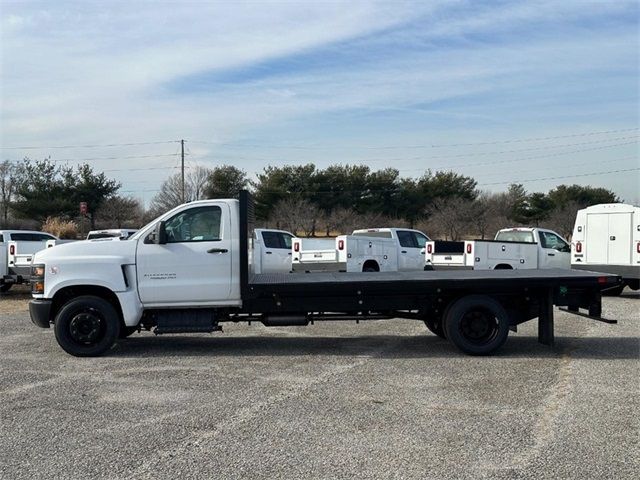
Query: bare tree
x=562 y=219
x=7 y=190
x=296 y=216
x=450 y=219
x=121 y=212
x=170 y=194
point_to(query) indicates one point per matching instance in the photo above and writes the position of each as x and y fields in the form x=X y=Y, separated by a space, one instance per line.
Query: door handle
x=217 y=250
x=289 y=253
x=403 y=251
x=551 y=254
x=268 y=253
x=612 y=237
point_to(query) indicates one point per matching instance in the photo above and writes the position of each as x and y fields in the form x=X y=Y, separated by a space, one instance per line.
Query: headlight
x=37 y=279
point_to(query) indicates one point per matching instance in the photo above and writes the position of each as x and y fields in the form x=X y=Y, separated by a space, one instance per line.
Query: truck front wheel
x=477 y=324
x=87 y=326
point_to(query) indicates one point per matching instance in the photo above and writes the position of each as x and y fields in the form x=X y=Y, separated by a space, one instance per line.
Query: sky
x=540 y=92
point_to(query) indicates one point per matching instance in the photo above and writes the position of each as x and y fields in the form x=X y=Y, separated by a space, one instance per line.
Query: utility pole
x=182 y=169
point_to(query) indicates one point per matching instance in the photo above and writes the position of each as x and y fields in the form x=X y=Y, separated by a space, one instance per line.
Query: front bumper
x=40 y=311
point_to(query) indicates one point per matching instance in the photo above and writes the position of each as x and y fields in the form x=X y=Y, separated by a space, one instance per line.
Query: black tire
x=477 y=324
x=436 y=327
x=127 y=331
x=5 y=287
x=613 y=292
x=369 y=270
x=87 y=326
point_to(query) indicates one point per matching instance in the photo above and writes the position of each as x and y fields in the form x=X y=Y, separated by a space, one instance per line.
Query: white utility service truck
x=17 y=248
x=189 y=271
x=512 y=249
x=606 y=238
x=366 y=250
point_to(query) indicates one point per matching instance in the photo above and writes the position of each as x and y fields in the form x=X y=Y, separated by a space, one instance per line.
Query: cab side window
x=200 y=224
x=421 y=240
x=271 y=239
x=277 y=240
x=551 y=240
x=407 y=239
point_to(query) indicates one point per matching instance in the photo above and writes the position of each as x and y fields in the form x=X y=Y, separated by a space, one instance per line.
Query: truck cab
x=272 y=250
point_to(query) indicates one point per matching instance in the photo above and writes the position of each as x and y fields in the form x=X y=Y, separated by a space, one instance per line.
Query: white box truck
x=606 y=238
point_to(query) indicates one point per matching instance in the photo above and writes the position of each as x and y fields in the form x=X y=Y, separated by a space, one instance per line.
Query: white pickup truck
x=512 y=249
x=17 y=248
x=188 y=271
x=366 y=250
x=271 y=252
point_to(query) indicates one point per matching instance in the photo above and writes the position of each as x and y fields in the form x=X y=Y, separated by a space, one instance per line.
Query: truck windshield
x=515 y=236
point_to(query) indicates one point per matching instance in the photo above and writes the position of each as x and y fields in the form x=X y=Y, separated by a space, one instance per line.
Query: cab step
x=186 y=321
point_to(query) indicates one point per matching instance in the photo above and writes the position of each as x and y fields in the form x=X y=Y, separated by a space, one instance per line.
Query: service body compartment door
x=597 y=244
x=194 y=266
x=619 y=249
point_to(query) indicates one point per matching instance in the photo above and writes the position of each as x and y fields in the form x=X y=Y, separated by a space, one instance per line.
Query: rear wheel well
x=370 y=266
x=503 y=266
x=68 y=293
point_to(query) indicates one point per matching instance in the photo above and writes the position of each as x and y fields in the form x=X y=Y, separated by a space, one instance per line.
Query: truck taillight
x=296 y=247
x=578 y=247
x=12 y=250
x=469 y=248
x=638 y=247
x=429 y=248
x=340 y=244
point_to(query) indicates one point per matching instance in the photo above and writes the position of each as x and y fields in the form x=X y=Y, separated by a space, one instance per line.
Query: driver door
x=194 y=266
x=555 y=252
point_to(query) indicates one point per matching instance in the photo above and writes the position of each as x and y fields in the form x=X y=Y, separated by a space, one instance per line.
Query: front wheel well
x=63 y=295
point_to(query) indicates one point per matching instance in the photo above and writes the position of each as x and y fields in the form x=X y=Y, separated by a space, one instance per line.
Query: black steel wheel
x=87 y=326
x=477 y=324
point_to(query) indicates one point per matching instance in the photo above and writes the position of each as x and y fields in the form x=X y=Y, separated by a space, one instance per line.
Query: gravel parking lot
x=383 y=399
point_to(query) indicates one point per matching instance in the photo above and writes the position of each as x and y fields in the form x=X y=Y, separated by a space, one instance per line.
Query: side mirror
x=158 y=235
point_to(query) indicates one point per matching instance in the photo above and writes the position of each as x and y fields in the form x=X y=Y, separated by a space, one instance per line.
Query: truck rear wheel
x=477 y=324
x=87 y=326
x=5 y=287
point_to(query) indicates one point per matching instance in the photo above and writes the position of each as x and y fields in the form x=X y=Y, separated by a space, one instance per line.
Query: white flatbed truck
x=188 y=271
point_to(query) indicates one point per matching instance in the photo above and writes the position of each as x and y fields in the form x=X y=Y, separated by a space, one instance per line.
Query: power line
x=128 y=157
x=391 y=147
x=536 y=139
x=89 y=146
x=561 y=177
